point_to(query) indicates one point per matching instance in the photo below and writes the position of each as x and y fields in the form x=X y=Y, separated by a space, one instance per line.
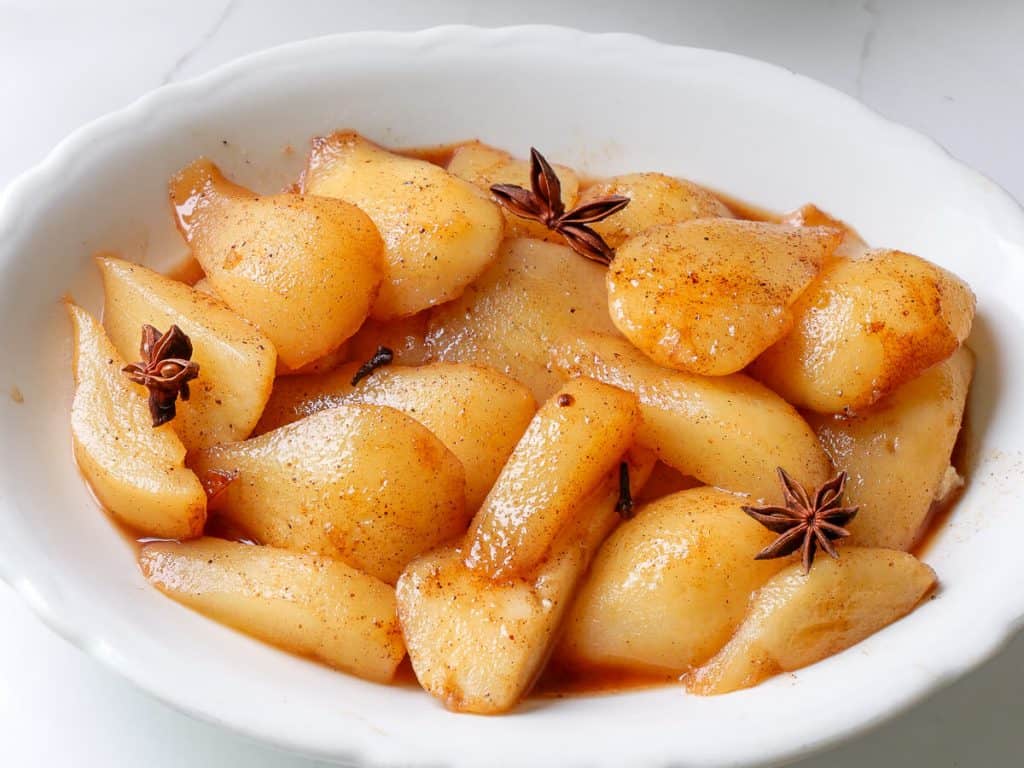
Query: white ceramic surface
x=756 y=131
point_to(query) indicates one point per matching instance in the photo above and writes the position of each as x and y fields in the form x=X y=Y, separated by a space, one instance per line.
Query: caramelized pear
x=480 y=417
x=864 y=327
x=362 y=483
x=236 y=360
x=440 y=232
x=708 y=296
x=535 y=294
x=307 y=604
x=654 y=199
x=136 y=470
x=304 y=270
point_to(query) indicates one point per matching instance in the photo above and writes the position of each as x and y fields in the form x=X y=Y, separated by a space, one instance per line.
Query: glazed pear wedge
x=533 y=295
x=897 y=453
x=237 y=360
x=478 y=644
x=797 y=619
x=363 y=483
x=867 y=325
x=693 y=551
x=654 y=199
x=136 y=470
x=440 y=232
x=708 y=296
x=304 y=270
x=480 y=417
x=308 y=604
x=727 y=431
x=577 y=437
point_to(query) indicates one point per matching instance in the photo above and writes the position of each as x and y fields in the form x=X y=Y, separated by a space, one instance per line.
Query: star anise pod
x=805 y=523
x=165 y=370
x=543 y=203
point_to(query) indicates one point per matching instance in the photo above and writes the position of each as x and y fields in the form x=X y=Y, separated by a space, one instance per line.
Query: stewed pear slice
x=235 y=359
x=478 y=644
x=797 y=619
x=478 y=413
x=669 y=587
x=727 y=431
x=136 y=470
x=406 y=337
x=484 y=166
x=303 y=269
x=440 y=232
x=897 y=453
x=654 y=199
x=307 y=604
x=511 y=318
x=708 y=296
x=363 y=483
x=571 y=444
x=864 y=327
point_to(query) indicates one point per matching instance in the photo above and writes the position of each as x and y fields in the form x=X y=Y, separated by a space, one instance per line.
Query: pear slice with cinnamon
x=236 y=359
x=440 y=232
x=136 y=470
x=304 y=270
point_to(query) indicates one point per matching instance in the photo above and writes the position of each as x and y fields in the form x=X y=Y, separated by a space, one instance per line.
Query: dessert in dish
x=503 y=418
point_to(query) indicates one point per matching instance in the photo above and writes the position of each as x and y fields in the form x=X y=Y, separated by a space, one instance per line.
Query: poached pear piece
x=727 y=431
x=576 y=438
x=480 y=416
x=532 y=296
x=237 y=360
x=797 y=619
x=478 y=644
x=439 y=231
x=303 y=269
x=307 y=604
x=669 y=587
x=136 y=470
x=363 y=483
x=708 y=296
x=897 y=453
x=867 y=325
x=485 y=166
x=655 y=199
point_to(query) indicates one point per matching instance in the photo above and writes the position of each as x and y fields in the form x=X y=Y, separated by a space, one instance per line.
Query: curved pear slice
x=728 y=431
x=533 y=295
x=654 y=199
x=305 y=604
x=708 y=296
x=363 y=483
x=236 y=360
x=304 y=270
x=136 y=470
x=796 y=619
x=480 y=417
x=897 y=453
x=693 y=551
x=484 y=166
x=440 y=232
x=867 y=325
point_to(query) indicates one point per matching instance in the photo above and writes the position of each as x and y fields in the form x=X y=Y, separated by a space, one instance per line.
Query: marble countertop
x=949 y=69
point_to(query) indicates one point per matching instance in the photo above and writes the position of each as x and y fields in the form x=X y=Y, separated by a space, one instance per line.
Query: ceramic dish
x=606 y=104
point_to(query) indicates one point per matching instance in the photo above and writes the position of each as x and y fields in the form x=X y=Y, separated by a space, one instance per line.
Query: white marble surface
x=950 y=69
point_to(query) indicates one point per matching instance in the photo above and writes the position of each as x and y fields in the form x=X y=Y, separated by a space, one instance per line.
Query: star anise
x=165 y=370
x=805 y=524
x=543 y=203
